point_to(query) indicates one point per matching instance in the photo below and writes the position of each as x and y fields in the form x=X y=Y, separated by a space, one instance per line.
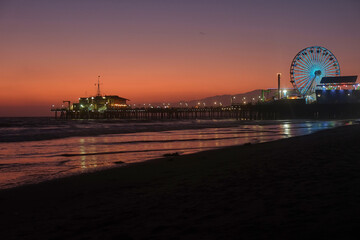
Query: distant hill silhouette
x=224 y=100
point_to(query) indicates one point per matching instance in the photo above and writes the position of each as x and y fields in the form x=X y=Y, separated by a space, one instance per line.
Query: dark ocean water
x=38 y=149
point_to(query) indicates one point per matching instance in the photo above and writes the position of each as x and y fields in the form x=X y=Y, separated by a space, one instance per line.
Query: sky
x=161 y=50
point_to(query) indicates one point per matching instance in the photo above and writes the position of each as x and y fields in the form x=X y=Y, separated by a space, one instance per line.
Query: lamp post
x=232 y=99
x=284 y=92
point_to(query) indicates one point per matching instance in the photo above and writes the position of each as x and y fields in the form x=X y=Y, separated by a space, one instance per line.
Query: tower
x=279 y=90
x=98 y=87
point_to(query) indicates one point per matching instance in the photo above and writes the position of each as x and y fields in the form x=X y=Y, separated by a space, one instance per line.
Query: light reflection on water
x=34 y=161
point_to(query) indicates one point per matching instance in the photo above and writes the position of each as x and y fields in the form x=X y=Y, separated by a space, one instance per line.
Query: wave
x=38 y=129
x=184 y=140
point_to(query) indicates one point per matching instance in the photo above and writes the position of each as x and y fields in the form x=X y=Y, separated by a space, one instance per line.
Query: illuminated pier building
x=334 y=90
x=93 y=107
x=100 y=103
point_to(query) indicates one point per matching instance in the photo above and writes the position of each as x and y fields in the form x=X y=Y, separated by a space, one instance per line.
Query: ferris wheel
x=309 y=66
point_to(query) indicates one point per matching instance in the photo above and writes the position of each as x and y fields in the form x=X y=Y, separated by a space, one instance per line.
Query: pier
x=152 y=113
x=268 y=111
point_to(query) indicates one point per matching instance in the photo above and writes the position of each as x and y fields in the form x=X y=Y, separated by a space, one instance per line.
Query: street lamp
x=285 y=92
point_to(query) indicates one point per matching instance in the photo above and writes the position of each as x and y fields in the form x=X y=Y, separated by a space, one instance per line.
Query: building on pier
x=100 y=103
x=339 y=89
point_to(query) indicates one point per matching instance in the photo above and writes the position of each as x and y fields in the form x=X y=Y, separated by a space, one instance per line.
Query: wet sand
x=295 y=188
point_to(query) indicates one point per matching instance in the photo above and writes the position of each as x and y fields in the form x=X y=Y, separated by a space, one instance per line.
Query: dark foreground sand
x=289 y=189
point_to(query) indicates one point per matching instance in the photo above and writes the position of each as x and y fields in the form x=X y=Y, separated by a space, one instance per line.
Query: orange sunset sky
x=155 y=51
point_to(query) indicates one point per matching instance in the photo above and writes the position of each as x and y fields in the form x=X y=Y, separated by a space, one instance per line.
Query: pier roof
x=115 y=96
x=341 y=79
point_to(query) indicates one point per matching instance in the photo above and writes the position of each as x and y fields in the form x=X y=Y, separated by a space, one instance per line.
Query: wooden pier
x=266 y=111
x=152 y=113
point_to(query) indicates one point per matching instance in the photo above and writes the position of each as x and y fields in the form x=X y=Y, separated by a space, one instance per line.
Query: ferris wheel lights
x=309 y=66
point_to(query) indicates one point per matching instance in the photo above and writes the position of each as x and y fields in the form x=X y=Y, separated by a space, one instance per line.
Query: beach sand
x=294 y=188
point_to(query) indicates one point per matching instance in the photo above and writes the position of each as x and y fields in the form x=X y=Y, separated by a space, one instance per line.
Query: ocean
x=33 y=150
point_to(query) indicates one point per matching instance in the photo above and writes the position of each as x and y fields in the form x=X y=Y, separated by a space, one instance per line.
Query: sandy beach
x=296 y=188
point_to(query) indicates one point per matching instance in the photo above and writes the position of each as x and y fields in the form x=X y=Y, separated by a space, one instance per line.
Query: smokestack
x=279 y=91
x=98 y=87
